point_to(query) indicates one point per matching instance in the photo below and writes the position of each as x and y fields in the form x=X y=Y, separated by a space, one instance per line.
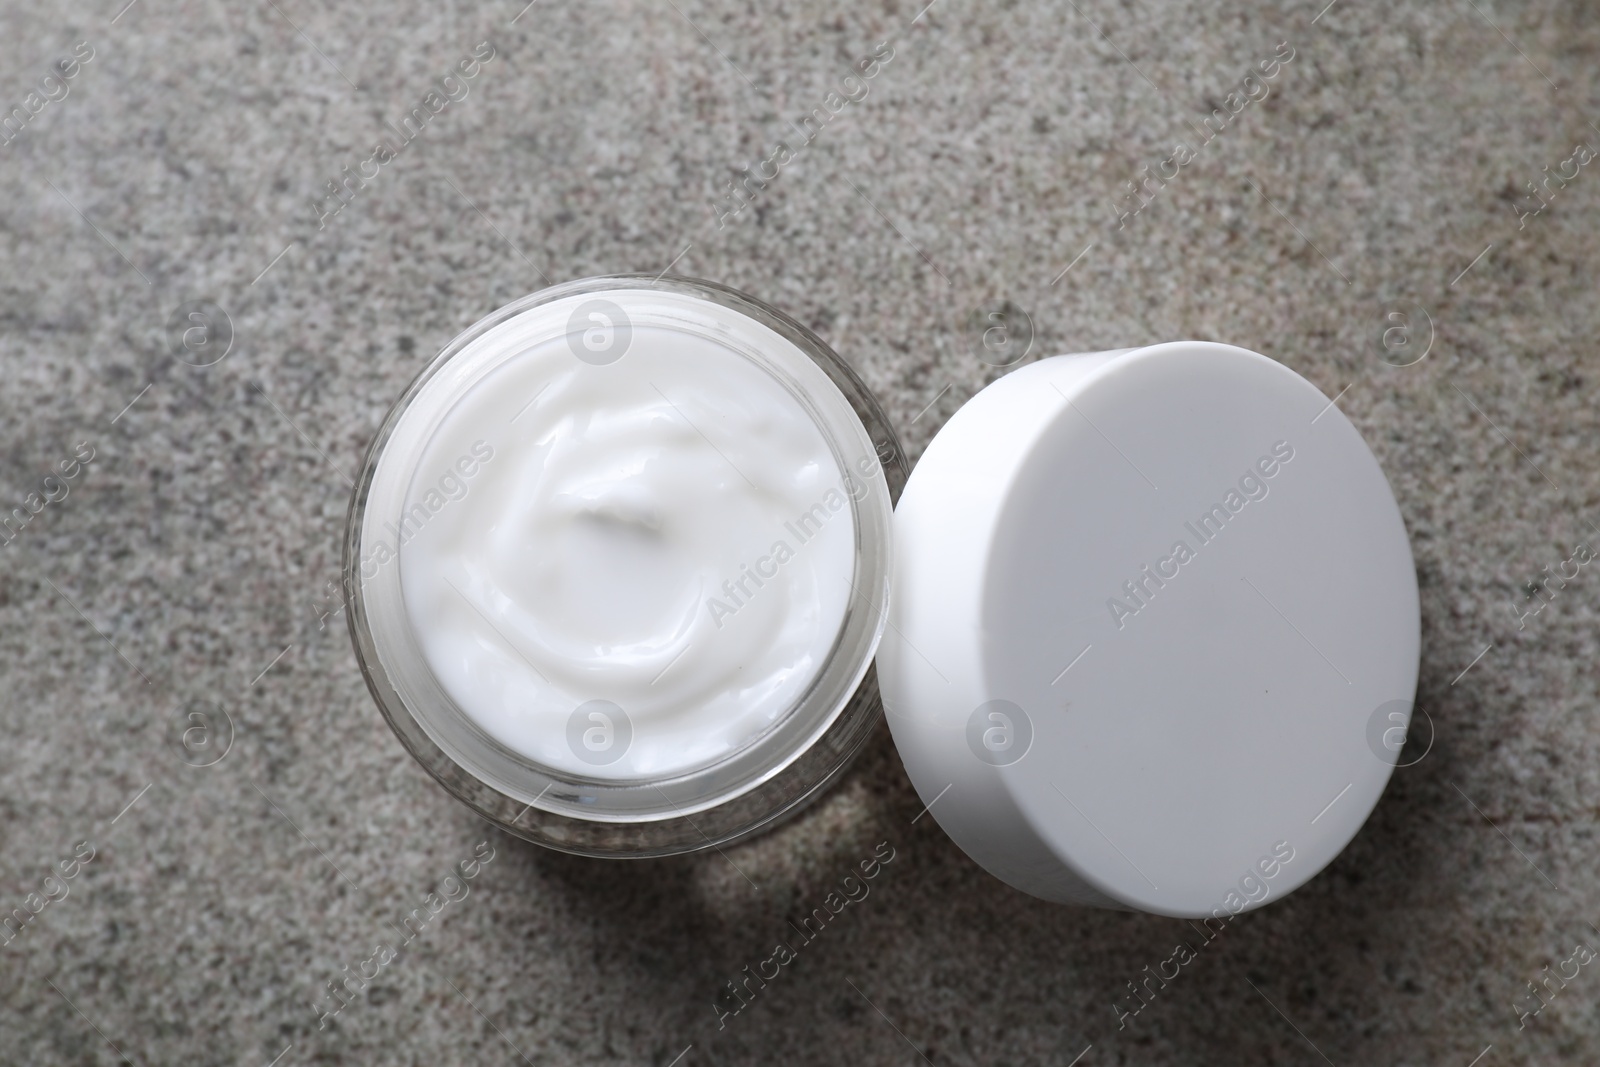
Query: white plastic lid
x=1153 y=631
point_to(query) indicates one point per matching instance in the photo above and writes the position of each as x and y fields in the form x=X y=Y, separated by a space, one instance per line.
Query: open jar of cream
x=621 y=560
x=618 y=563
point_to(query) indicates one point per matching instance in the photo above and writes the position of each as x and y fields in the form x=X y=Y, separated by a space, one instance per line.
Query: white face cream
x=668 y=533
x=621 y=554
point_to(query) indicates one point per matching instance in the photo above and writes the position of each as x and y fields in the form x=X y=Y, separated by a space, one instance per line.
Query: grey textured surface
x=987 y=156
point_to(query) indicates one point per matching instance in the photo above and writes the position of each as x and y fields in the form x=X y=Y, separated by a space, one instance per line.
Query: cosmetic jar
x=629 y=564
x=617 y=565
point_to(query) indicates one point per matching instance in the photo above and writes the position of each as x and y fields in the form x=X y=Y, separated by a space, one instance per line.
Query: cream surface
x=628 y=570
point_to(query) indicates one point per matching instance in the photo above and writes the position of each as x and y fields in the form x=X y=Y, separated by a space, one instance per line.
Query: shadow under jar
x=618 y=563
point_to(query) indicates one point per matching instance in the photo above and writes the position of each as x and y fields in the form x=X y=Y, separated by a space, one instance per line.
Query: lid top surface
x=1194 y=586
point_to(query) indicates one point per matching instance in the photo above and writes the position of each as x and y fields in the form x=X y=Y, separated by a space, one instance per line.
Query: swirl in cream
x=668 y=535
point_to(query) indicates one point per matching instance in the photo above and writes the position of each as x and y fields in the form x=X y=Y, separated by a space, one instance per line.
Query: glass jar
x=446 y=591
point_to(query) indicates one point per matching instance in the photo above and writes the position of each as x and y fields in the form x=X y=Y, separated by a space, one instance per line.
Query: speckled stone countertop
x=1364 y=215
